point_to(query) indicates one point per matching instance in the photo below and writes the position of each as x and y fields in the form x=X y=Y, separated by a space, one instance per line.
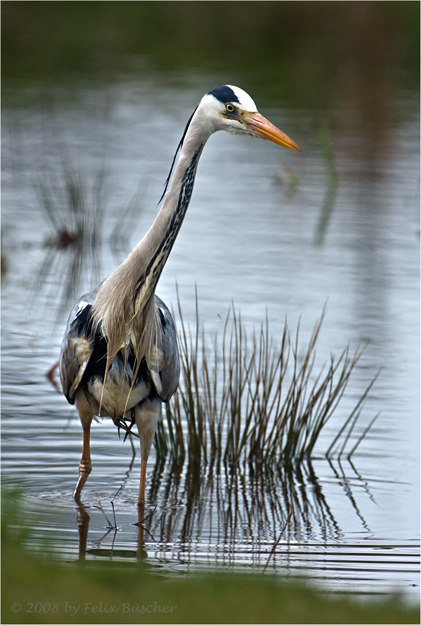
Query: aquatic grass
x=73 y=202
x=245 y=399
x=74 y=206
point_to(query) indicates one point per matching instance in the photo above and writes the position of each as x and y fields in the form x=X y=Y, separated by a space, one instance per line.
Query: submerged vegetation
x=247 y=400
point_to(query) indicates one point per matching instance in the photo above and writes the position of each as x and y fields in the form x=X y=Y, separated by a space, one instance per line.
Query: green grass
x=50 y=592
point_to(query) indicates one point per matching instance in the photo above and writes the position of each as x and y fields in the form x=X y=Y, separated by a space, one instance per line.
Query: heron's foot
x=85 y=469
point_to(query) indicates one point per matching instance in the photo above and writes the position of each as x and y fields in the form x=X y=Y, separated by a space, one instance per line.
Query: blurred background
x=95 y=99
x=314 y=54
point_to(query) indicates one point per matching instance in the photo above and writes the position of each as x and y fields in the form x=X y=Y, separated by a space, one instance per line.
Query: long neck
x=150 y=255
x=127 y=293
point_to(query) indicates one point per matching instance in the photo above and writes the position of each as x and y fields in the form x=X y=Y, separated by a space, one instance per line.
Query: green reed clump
x=248 y=400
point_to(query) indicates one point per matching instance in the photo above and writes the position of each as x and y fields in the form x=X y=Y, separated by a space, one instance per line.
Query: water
x=249 y=238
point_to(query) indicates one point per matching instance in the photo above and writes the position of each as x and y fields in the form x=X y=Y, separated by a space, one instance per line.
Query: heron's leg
x=85 y=466
x=147 y=416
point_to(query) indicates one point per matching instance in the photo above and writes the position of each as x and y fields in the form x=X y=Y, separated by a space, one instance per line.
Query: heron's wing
x=166 y=378
x=77 y=346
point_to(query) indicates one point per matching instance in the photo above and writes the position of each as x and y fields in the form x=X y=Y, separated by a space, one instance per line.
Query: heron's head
x=232 y=109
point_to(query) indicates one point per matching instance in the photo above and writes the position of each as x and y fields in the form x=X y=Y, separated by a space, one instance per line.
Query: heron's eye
x=230 y=108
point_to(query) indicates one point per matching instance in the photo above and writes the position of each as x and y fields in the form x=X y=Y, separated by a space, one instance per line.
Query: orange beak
x=261 y=127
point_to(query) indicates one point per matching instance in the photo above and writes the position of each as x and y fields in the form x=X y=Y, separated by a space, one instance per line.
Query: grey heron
x=119 y=356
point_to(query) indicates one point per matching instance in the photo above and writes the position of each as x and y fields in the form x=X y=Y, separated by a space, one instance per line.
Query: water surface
x=249 y=237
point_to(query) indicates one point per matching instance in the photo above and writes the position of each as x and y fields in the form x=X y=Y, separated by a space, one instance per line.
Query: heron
x=119 y=357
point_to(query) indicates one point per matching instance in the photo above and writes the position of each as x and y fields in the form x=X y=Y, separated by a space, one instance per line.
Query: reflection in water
x=331 y=182
x=83 y=520
x=237 y=509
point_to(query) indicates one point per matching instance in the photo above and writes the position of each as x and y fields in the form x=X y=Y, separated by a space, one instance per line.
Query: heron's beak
x=261 y=127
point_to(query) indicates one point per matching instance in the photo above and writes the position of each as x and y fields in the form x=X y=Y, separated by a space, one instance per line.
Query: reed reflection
x=219 y=517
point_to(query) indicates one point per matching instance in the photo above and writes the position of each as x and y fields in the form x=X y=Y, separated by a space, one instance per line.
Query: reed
x=73 y=206
x=244 y=399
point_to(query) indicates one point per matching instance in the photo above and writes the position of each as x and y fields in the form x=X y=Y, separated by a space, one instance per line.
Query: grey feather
x=72 y=360
x=170 y=368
